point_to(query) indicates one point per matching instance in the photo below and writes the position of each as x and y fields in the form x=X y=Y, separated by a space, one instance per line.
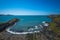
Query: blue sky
x=30 y=7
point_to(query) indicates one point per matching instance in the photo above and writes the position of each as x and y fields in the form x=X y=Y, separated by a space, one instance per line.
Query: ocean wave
x=8 y=30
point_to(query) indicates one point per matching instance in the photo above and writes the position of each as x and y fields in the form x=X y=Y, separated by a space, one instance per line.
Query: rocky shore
x=50 y=33
x=35 y=36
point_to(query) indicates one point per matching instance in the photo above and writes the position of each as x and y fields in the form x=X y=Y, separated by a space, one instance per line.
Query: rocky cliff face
x=55 y=25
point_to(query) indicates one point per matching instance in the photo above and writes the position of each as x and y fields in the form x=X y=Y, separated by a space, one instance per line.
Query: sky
x=30 y=7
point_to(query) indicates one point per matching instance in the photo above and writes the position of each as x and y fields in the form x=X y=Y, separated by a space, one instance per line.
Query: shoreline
x=30 y=30
x=8 y=30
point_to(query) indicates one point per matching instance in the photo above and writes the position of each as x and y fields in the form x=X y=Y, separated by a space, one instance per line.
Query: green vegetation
x=55 y=25
x=54 y=28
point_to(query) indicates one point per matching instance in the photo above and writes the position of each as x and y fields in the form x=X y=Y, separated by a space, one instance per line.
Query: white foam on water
x=8 y=30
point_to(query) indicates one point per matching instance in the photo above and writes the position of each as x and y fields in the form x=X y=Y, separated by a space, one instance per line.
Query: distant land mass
x=6 y=15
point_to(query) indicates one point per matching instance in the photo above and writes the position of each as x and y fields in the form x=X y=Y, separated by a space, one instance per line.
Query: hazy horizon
x=29 y=7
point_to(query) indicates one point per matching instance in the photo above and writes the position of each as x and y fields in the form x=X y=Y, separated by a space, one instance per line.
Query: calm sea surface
x=25 y=21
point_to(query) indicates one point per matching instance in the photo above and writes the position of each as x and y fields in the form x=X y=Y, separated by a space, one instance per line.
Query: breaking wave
x=12 y=32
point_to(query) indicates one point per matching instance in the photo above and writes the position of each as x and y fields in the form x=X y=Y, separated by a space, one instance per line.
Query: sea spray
x=12 y=32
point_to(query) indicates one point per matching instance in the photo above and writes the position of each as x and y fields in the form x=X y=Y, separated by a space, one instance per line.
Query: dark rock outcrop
x=10 y=23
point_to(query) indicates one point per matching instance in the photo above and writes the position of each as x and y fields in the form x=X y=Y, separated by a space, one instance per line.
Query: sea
x=25 y=21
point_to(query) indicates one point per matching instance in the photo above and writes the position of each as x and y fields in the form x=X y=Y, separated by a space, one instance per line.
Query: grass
x=53 y=26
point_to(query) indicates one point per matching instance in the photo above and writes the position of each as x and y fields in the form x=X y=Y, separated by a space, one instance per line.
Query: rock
x=10 y=23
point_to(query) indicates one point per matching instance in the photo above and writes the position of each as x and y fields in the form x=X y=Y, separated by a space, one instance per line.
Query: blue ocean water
x=25 y=21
